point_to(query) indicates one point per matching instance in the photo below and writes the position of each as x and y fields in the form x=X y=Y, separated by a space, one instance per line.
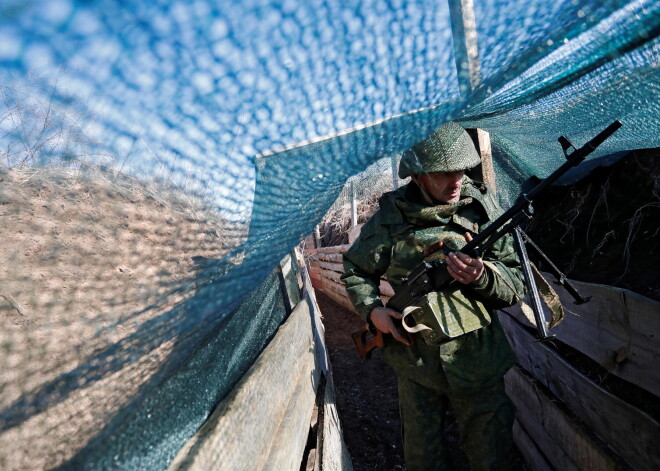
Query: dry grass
x=336 y=223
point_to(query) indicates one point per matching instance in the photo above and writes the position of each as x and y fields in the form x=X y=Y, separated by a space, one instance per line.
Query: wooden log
x=384 y=286
x=618 y=329
x=334 y=286
x=339 y=299
x=629 y=431
x=331 y=257
x=338 y=267
x=532 y=455
x=331 y=275
x=317 y=282
x=335 y=249
x=244 y=417
x=337 y=293
x=290 y=440
x=564 y=442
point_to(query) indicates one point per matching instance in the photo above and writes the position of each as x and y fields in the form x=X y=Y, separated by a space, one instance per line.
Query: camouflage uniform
x=466 y=371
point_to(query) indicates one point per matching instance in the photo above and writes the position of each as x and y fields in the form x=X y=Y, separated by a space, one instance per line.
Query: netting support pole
x=395 y=172
x=466 y=49
x=484 y=172
x=317 y=237
x=468 y=69
x=353 y=206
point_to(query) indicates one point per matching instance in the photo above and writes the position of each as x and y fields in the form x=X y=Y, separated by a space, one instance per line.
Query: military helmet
x=448 y=149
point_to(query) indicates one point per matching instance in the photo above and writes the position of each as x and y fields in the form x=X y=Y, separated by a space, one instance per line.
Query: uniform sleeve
x=504 y=286
x=364 y=263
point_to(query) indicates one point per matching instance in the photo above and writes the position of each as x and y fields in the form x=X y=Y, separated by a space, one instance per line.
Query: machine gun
x=432 y=275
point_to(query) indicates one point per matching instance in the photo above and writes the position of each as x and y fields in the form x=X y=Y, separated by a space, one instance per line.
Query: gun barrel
x=430 y=276
x=574 y=159
x=604 y=134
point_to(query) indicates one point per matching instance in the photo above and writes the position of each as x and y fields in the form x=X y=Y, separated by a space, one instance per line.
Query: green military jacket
x=393 y=241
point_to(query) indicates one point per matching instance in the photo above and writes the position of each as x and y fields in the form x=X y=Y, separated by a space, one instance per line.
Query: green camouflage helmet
x=448 y=149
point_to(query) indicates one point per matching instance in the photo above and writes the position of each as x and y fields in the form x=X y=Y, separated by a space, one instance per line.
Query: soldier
x=466 y=367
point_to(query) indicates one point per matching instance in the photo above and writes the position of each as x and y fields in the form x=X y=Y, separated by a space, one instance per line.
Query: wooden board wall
x=617 y=328
x=567 y=445
x=628 y=430
x=264 y=423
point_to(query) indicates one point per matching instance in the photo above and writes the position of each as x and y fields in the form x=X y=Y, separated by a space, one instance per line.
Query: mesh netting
x=158 y=159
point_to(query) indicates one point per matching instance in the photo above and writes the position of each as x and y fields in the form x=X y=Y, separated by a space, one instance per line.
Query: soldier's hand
x=463 y=268
x=383 y=319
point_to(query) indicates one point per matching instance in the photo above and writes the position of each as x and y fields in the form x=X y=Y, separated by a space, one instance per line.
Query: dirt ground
x=367 y=398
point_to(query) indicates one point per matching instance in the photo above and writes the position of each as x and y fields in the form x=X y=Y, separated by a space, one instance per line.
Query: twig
x=633 y=228
x=12 y=302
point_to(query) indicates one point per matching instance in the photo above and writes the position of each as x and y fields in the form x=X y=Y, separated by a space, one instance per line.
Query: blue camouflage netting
x=256 y=113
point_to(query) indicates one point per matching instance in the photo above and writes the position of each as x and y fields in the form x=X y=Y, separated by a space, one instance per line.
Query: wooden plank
x=532 y=418
x=290 y=281
x=244 y=417
x=629 y=431
x=339 y=299
x=564 y=442
x=485 y=171
x=532 y=455
x=618 y=329
x=290 y=440
x=335 y=456
x=310 y=242
x=334 y=286
x=335 y=249
x=317 y=325
x=331 y=275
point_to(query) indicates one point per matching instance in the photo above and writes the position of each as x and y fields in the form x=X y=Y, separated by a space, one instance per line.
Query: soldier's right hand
x=384 y=319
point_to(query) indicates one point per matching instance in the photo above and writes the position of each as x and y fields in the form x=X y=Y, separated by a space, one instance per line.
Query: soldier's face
x=443 y=187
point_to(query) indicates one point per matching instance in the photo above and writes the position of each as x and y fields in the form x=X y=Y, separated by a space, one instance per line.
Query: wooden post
x=468 y=69
x=317 y=237
x=289 y=282
x=485 y=171
x=466 y=50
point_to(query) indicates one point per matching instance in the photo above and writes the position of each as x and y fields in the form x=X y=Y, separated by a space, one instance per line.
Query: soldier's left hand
x=463 y=268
